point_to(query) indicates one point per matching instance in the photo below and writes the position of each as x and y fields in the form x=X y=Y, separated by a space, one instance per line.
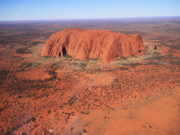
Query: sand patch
x=100 y=79
x=35 y=74
x=150 y=117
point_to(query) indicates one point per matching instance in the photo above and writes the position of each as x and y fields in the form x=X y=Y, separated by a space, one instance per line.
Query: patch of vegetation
x=122 y=58
x=24 y=51
x=80 y=65
x=54 y=65
x=93 y=59
x=5 y=107
x=123 y=68
x=83 y=65
x=47 y=56
x=67 y=56
x=163 y=59
x=3 y=75
x=18 y=86
x=26 y=66
x=41 y=96
x=72 y=100
x=133 y=64
x=177 y=47
x=36 y=42
x=52 y=72
x=24 y=133
x=53 y=77
x=133 y=56
x=175 y=62
x=159 y=57
x=33 y=119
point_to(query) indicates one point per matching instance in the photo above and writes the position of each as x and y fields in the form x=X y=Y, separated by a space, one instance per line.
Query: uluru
x=85 y=44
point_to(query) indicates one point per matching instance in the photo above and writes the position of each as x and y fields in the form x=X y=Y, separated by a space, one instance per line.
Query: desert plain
x=136 y=95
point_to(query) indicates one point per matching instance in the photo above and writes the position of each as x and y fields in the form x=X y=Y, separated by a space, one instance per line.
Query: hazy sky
x=86 y=9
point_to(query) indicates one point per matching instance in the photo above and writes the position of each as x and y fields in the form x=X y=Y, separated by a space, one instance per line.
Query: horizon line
x=74 y=19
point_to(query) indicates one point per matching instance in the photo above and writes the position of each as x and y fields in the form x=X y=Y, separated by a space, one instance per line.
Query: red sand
x=141 y=100
x=58 y=97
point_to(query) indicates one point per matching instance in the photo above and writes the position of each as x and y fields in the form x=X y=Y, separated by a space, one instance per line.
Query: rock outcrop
x=102 y=44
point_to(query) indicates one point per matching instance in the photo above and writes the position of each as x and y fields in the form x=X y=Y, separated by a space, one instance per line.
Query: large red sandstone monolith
x=84 y=44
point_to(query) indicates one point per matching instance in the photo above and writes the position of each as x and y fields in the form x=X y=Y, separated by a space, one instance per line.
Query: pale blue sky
x=86 y=9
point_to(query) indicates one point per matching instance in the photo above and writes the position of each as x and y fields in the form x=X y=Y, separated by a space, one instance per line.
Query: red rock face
x=84 y=44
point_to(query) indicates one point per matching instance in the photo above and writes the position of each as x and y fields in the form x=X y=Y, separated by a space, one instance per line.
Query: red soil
x=62 y=96
x=167 y=50
x=141 y=100
x=35 y=74
x=83 y=44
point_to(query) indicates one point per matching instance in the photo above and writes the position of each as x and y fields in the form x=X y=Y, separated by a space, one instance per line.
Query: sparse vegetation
x=24 y=51
x=72 y=86
x=67 y=56
x=3 y=75
x=26 y=66
x=36 y=42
